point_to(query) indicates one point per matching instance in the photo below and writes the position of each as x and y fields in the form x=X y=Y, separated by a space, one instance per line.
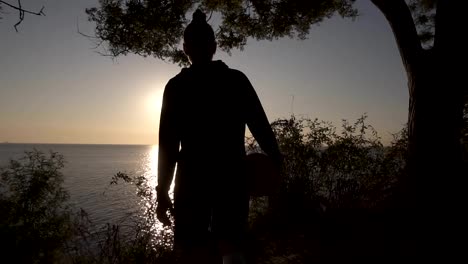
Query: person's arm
x=258 y=124
x=168 y=140
x=168 y=150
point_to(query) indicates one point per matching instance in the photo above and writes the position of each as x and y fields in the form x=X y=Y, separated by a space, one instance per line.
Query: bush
x=39 y=226
x=336 y=187
x=36 y=219
x=324 y=168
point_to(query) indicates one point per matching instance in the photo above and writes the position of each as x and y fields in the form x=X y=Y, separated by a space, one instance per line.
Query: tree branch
x=399 y=17
x=22 y=12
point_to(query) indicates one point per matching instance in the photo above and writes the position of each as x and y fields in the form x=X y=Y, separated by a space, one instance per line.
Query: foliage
x=39 y=226
x=142 y=27
x=346 y=169
x=336 y=181
x=35 y=218
x=154 y=28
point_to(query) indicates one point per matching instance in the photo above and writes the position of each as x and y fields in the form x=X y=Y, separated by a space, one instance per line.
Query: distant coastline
x=71 y=144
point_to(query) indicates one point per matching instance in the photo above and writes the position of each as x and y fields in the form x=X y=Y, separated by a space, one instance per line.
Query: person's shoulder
x=180 y=76
x=175 y=81
x=221 y=67
x=237 y=74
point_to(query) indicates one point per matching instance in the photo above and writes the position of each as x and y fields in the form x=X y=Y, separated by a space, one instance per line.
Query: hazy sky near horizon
x=55 y=88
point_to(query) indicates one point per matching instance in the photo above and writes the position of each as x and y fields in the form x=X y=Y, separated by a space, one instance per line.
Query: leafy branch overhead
x=155 y=28
x=21 y=11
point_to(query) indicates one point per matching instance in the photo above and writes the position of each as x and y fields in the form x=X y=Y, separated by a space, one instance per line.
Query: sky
x=55 y=87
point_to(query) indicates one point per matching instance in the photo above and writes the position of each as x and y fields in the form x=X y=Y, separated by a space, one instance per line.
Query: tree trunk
x=431 y=193
x=434 y=127
x=433 y=187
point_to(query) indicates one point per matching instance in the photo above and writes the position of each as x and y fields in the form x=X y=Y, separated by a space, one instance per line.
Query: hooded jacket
x=204 y=114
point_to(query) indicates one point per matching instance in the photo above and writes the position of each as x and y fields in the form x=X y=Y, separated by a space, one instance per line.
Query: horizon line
x=36 y=143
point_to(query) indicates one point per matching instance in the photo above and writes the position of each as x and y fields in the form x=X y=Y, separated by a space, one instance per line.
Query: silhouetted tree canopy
x=155 y=28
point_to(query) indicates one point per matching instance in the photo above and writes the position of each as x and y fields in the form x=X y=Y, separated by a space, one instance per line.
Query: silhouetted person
x=205 y=110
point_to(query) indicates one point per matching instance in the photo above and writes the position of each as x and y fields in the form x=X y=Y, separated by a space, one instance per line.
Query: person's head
x=199 y=39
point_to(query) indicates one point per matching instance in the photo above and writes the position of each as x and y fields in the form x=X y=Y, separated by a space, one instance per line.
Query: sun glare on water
x=150 y=168
x=152 y=103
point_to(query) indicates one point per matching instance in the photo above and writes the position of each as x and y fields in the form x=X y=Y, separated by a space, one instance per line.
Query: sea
x=88 y=172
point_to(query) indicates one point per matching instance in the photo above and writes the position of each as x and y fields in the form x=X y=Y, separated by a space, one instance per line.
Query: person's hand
x=163 y=205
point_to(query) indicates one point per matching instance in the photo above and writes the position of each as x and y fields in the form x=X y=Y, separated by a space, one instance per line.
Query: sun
x=154 y=102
